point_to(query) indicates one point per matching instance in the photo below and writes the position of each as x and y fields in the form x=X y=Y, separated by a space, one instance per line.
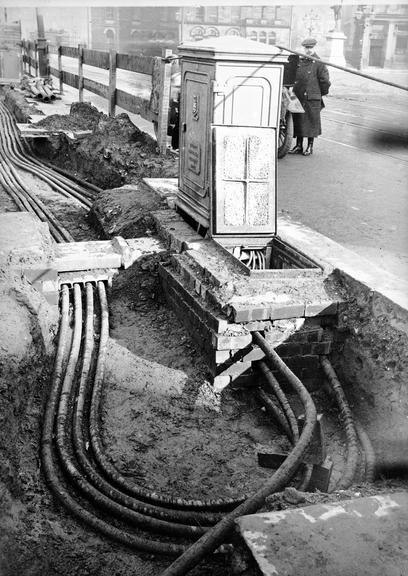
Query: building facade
x=10 y=38
x=147 y=30
x=377 y=36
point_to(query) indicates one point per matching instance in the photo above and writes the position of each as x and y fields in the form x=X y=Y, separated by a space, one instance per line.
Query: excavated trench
x=162 y=424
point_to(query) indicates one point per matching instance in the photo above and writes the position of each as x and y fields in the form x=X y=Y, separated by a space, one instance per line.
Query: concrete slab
x=30 y=131
x=359 y=537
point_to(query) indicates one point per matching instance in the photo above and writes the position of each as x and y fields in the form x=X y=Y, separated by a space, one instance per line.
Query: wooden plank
x=96 y=58
x=70 y=79
x=96 y=87
x=133 y=104
x=69 y=51
x=133 y=63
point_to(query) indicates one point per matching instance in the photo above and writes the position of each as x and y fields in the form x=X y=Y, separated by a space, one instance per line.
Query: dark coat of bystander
x=311 y=83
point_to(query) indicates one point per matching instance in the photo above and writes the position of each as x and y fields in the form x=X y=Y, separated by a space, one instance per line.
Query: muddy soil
x=115 y=153
x=162 y=424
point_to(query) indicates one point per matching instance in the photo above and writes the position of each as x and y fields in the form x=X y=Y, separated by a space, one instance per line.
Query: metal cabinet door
x=248 y=95
x=194 y=145
x=244 y=180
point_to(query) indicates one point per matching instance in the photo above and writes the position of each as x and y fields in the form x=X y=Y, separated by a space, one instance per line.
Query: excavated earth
x=163 y=425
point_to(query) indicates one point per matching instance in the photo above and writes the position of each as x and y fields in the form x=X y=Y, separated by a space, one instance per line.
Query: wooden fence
x=155 y=108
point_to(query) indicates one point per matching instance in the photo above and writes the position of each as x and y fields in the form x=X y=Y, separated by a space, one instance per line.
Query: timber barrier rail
x=154 y=108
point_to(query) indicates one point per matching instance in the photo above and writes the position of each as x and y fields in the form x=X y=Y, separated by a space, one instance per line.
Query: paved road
x=354 y=189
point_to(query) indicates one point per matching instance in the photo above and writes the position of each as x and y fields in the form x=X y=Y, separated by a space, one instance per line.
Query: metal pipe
x=344 y=69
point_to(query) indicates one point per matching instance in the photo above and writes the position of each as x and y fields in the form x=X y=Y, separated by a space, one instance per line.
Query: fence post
x=21 y=60
x=36 y=58
x=23 y=56
x=164 y=103
x=60 y=72
x=112 y=83
x=80 y=73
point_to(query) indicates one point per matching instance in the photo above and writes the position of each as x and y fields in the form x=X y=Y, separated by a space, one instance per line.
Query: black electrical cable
x=273 y=386
x=67 y=461
x=50 y=471
x=110 y=471
x=352 y=460
x=216 y=535
x=186 y=517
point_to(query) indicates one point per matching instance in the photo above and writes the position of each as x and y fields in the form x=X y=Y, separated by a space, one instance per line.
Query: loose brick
x=222 y=356
x=227 y=342
x=221 y=382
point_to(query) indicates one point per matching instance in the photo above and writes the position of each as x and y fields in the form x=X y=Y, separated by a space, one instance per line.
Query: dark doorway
x=377 y=53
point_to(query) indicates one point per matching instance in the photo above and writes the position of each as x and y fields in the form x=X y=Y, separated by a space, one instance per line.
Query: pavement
x=357 y=537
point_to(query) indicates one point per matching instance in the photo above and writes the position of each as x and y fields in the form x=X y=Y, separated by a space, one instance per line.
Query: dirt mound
x=116 y=152
x=125 y=211
x=81 y=117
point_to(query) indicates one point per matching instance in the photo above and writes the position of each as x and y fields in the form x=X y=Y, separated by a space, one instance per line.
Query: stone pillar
x=335 y=41
x=390 y=46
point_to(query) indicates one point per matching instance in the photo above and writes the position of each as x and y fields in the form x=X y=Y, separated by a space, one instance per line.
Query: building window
x=224 y=14
x=254 y=36
x=272 y=37
x=197 y=33
x=211 y=14
x=109 y=14
x=212 y=32
x=233 y=32
x=401 y=45
x=262 y=36
x=193 y=13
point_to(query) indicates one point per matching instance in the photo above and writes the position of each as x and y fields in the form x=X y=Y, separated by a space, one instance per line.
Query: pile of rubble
x=40 y=88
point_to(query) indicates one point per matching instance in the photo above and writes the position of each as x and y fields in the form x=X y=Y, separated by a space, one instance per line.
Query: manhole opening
x=268 y=257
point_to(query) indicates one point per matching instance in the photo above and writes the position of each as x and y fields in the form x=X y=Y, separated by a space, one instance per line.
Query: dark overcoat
x=311 y=83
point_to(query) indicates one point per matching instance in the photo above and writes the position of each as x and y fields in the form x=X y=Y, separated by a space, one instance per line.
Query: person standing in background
x=311 y=83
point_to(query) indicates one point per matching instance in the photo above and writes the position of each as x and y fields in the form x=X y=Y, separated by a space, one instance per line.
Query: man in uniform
x=311 y=83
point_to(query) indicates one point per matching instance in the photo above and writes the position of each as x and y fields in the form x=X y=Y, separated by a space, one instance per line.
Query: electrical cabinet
x=229 y=123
